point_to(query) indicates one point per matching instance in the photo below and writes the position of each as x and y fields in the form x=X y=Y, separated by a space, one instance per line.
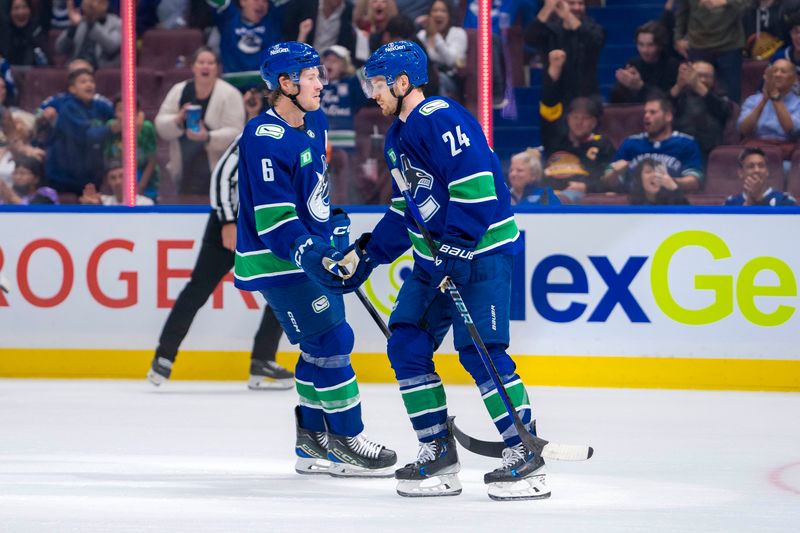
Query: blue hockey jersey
x=771 y=197
x=680 y=153
x=241 y=42
x=455 y=179
x=283 y=195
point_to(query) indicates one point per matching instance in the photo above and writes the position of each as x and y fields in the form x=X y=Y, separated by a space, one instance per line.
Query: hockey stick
x=536 y=444
x=342 y=240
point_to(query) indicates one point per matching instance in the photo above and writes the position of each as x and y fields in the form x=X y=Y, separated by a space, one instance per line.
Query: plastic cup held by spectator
x=193 y=113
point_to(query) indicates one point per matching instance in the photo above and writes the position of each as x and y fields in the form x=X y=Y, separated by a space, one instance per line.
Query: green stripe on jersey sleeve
x=261 y=264
x=270 y=216
x=472 y=189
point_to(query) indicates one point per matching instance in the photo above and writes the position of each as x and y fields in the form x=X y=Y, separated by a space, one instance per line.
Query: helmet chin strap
x=293 y=98
x=399 y=99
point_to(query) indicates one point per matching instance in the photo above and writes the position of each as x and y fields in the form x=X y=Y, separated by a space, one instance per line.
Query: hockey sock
x=335 y=388
x=497 y=410
x=426 y=405
x=410 y=351
x=505 y=366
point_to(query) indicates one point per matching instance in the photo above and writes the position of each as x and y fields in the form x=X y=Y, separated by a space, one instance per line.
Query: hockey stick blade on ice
x=551 y=450
x=534 y=443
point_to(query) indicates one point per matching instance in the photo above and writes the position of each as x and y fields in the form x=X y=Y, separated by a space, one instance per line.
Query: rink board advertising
x=601 y=297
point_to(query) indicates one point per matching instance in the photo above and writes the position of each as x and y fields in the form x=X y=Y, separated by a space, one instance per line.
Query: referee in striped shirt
x=213 y=263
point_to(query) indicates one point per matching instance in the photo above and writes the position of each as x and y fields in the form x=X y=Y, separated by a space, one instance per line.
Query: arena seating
x=162 y=48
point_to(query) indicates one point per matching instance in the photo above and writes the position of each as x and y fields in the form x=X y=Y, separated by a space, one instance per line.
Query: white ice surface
x=199 y=456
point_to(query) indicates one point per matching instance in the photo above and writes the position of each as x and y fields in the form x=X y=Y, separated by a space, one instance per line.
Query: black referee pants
x=213 y=262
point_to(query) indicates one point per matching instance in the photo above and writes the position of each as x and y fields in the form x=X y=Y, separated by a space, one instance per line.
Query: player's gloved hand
x=340 y=227
x=454 y=261
x=359 y=265
x=316 y=257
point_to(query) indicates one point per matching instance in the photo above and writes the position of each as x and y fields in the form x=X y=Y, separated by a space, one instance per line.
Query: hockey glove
x=358 y=263
x=340 y=227
x=317 y=258
x=453 y=261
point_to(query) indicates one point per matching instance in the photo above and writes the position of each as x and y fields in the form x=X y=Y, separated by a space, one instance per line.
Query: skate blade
x=265 y=383
x=441 y=485
x=155 y=378
x=347 y=470
x=311 y=466
x=530 y=488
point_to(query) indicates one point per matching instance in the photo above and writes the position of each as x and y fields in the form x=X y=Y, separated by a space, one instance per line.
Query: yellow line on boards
x=542 y=370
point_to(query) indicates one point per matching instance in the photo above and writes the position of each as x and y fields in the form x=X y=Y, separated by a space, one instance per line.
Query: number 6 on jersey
x=463 y=140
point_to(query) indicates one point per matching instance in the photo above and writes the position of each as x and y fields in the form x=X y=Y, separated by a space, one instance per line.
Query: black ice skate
x=311 y=448
x=159 y=371
x=359 y=457
x=265 y=375
x=522 y=476
x=434 y=473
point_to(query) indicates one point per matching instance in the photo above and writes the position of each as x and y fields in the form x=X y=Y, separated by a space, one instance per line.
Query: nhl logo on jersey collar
x=311 y=133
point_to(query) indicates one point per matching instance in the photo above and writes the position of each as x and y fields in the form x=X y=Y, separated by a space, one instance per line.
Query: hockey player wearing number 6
x=284 y=233
x=456 y=181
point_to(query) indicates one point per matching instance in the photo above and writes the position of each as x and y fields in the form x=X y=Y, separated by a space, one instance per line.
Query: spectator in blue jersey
x=48 y=110
x=446 y=46
x=245 y=32
x=524 y=180
x=22 y=40
x=563 y=25
x=75 y=156
x=772 y=116
x=94 y=34
x=653 y=68
x=652 y=185
x=660 y=142
x=341 y=98
x=320 y=23
x=753 y=172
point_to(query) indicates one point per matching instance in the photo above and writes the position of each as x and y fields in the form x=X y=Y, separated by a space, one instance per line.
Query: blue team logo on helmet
x=289 y=59
x=393 y=59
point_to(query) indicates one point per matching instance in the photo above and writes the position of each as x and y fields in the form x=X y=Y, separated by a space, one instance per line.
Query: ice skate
x=159 y=371
x=269 y=375
x=522 y=476
x=311 y=448
x=359 y=457
x=434 y=473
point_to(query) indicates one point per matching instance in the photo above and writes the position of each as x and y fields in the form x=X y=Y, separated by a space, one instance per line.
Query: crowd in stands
x=706 y=112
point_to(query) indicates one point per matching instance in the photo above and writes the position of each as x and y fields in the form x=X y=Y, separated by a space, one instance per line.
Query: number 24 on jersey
x=462 y=138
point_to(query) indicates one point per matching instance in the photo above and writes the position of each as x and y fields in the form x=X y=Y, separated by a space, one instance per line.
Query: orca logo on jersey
x=318 y=201
x=419 y=181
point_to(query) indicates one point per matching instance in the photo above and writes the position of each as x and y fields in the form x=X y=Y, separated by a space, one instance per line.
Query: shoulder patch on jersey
x=392 y=155
x=305 y=157
x=270 y=130
x=433 y=105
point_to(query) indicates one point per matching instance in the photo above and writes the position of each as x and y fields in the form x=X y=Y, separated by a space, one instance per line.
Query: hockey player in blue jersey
x=457 y=182
x=284 y=233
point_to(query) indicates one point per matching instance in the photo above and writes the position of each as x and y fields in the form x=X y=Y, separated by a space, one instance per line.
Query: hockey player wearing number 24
x=284 y=232
x=456 y=181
